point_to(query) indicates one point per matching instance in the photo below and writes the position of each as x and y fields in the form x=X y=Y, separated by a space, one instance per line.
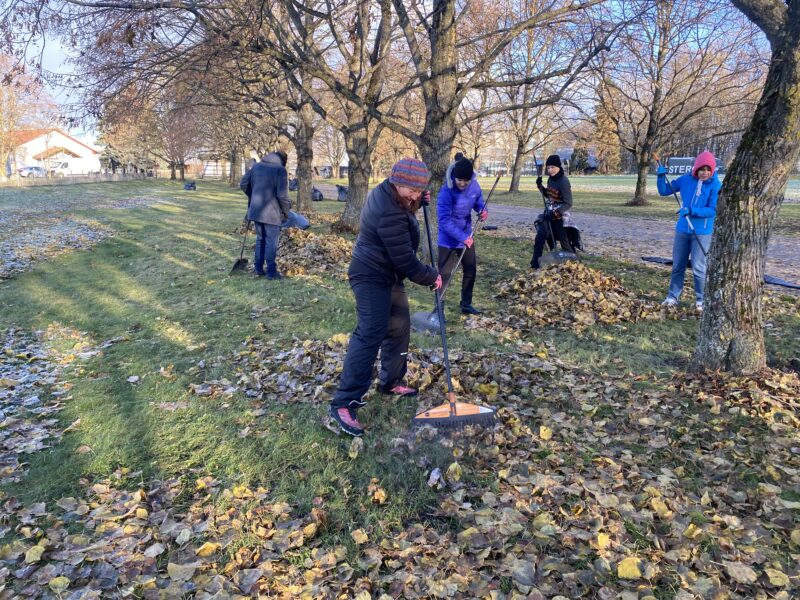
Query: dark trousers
x=448 y=257
x=266 y=247
x=543 y=235
x=384 y=324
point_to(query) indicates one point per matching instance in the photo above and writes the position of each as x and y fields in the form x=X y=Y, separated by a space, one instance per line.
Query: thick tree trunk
x=731 y=330
x=304 y=146
x=642 y=170
x=358 y=174
x=516 y=169
x=182 y=170
x=172 y=175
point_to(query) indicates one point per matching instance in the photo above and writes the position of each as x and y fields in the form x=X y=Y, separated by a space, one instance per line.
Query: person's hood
x=704 y=159
x=272 y=159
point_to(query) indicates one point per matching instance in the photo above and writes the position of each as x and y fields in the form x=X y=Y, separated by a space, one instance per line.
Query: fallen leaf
x=207 y=549
x=629 y=568
x=359 y=537
x=740 y=572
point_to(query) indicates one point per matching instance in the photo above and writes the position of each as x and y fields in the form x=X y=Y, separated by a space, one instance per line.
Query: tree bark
x=359 y=156
x=731 y=329
x=172 y=175
x=642 y=169
x=235 y=168
x=182 y=170
x=516 y=169
x=303 y=143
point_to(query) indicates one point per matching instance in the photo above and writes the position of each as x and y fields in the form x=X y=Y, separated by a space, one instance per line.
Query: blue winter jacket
x=702 y=205
x=454 y=209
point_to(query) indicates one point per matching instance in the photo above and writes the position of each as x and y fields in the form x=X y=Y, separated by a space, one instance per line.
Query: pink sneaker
x=401 y=390
x=346 y=418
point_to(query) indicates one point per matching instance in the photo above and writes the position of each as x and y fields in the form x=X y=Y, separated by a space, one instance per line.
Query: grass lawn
x=576 y=455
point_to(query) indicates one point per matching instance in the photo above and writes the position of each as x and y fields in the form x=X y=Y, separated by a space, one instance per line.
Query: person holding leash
x=699 y=194
x=454 y=206
x=384 y=255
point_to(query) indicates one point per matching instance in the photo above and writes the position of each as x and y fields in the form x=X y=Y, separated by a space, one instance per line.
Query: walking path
x=629 y=238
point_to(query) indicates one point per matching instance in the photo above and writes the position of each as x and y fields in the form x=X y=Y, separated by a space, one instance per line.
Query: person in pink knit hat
x=699 y=193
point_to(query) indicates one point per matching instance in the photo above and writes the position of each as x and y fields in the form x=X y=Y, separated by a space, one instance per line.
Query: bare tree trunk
x=642 y=170
x=182 y=170
x=235 y=168
x=358 y=174
x=172 y=175
x=303 y=143
x=731 y=330
x=516 y=169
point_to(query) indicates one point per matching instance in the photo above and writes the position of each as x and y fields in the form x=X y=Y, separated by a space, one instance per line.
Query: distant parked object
x=32 y=172
x=342 y=192
x=316 y=195
x=293 y=184
x=190 y=185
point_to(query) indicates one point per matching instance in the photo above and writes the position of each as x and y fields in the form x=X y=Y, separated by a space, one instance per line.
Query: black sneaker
x=275 y=276
x=468 y=309
x=346 y=418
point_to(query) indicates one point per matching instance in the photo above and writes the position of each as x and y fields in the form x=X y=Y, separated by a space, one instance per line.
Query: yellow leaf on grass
x=454 y=472
x=692 y=531
x=545 y=432
x=359 y=537
x=603 y=541
x=34 y=554
x=355 y=447
x=59 y=584
x=629 y=568
x=660 y=508
x=795 y=536
x=379 y=496
x=141 y=513
x=776 y=577
x=207 y=549
x=705 y=500
x=310 y=530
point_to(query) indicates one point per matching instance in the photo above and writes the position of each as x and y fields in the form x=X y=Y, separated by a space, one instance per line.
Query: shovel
x=429 y=322
x=240 y=266
x=554 y=257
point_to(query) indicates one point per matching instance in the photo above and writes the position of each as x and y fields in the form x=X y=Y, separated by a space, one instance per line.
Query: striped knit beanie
x=411 y=173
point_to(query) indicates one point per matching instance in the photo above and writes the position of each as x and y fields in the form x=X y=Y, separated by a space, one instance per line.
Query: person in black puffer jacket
x=558 y=198
x=384 y=255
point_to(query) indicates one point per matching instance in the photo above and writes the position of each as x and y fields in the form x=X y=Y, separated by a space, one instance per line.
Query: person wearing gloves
x=267 y=190
x=699 y=193
x=385 y=254
x=558 y=200
x=454 y=209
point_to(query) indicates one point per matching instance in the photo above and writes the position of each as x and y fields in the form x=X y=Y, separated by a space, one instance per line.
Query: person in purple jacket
x=695 y=225
x=454 y=208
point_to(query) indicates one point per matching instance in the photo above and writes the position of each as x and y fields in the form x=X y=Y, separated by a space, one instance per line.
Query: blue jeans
x=684 y=245
x=266 y=248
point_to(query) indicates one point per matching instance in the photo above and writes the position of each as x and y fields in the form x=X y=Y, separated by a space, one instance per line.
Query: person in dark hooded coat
x=558 y=200
x=266 y=186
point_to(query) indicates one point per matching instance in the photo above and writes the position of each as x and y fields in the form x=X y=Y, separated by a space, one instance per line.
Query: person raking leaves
x=558 y=198
x=454 y=205
x=699 y=193
x=384 y=255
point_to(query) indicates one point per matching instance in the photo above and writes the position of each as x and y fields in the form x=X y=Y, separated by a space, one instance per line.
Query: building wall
x=87 y=161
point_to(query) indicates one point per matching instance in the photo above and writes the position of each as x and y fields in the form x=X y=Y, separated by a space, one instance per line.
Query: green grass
x=163 y=284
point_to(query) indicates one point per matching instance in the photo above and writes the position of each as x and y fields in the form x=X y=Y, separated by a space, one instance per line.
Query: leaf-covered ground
x=598 y=480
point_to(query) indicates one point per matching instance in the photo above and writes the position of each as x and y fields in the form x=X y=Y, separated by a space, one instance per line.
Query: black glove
x=539 y=181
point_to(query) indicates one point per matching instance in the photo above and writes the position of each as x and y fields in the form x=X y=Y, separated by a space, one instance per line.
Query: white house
x=55 y=151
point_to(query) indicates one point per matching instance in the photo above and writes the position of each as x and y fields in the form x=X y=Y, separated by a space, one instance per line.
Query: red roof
x=23 y=136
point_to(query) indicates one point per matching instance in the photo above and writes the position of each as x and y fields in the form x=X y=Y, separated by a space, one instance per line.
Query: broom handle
x=680 y=205
x=478 y=227
x=451 y=393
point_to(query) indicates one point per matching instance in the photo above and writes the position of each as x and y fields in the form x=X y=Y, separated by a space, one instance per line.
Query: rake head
x=240 y=266
x=455 y=415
